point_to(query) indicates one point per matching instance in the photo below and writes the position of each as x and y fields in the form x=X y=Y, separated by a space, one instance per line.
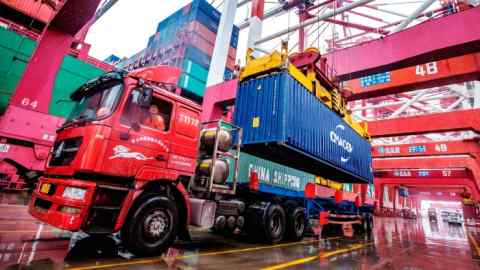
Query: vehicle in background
x=445 y=215
x=454 y=218
x=432 y=214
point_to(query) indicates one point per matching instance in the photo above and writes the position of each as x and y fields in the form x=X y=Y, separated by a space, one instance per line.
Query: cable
x=318 y=30
x=333 y=37
x=219 y=5
x=319 y=33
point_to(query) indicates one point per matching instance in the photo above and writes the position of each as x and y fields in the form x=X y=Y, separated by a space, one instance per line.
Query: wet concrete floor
x=395 y=244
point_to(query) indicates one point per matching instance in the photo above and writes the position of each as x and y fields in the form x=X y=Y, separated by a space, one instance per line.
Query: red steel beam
x=438 y=73
x=445 y=197
x=412 y=190
x=428 y=123
x=382 y=164
x=466 y=147
x=258 y=7
x=427 y=163
x=74 y=15
x=424 y=173
x=436 y=39
x=460 y=182
x=34 y=89
x=216 y=98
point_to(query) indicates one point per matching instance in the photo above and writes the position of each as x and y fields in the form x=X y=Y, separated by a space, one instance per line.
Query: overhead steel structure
x=370 y=50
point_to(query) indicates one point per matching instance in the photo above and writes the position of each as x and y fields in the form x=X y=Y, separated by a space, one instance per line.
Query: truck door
x=142 y=138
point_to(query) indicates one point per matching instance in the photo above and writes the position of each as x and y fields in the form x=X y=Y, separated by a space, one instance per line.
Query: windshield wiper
x=78 y=120
x=81 y=118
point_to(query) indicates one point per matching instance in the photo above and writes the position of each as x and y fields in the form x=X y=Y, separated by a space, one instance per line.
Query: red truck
x=130 y=159
x=108 y=170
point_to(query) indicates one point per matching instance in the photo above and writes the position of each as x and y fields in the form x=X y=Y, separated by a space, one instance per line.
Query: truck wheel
x=274 y=226
x=296 y=224
x=152 y=227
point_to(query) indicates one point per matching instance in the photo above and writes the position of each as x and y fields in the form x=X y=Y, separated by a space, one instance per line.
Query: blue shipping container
x=197 y=56
x=198 y=10
x=210 y=17
x=285 y=123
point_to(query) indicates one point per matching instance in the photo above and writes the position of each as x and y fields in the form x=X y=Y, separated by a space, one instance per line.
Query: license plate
x=45 y=188
x=4 y=147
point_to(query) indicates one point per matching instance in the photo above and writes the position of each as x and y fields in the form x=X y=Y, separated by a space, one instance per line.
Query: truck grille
x=64 y=151
x=42 y=205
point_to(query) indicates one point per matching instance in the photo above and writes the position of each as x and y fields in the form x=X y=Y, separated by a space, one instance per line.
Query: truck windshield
x=98 y=102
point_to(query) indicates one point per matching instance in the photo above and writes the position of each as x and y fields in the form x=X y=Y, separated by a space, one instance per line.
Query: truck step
x=113 y=187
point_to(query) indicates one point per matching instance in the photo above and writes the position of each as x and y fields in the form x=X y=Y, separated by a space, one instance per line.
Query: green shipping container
x=192 y=85
x=72 y=74
x=271 y=173
x=15 y=51
x=195 y=70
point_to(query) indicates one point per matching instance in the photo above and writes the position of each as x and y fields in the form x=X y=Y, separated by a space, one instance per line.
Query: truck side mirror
x=146 y=97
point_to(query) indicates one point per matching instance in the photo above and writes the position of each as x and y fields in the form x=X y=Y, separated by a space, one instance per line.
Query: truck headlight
x=74 y=193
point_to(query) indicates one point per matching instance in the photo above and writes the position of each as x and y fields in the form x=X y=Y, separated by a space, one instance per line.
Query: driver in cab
x=154 y=119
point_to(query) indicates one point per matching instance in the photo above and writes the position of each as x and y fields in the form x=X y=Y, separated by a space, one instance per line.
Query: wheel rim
x=275 y=224
x=156 y=226
x=299 y=224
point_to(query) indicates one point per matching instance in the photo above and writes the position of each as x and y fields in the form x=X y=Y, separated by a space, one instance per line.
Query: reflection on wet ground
x=395 y=244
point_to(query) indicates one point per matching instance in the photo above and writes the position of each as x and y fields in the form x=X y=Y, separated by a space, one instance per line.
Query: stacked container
x=186 y=39
x=15 y=52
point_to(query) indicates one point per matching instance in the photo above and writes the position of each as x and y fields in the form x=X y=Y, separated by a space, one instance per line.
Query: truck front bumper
x=49 y=205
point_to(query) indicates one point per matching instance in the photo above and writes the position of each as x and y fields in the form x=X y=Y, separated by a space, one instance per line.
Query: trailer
x=133 y=157
x=307 y=206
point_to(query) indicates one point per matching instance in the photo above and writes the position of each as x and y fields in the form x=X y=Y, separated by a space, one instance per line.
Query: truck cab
x=122 y=160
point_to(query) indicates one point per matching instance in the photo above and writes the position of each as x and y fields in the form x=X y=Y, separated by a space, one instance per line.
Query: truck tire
x=295 y=224
x=274 y=225
x=152 y=227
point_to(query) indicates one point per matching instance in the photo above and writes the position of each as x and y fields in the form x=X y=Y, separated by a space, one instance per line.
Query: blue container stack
x=186 y=39
x=285 y=123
